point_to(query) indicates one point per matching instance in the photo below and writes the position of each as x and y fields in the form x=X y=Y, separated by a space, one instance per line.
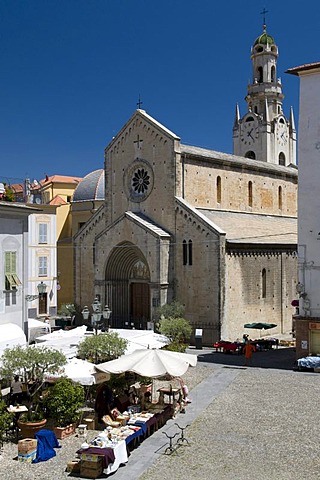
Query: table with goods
x=109 y=449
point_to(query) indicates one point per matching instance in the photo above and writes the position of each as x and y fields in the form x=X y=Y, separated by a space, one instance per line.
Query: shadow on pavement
x=280 y=358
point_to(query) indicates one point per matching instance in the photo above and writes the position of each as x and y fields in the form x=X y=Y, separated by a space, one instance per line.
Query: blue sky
x=72 y=72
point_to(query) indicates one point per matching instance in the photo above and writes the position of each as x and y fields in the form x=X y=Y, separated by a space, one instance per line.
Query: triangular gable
x=211 y=225
x=144 y=116
x=142 y=222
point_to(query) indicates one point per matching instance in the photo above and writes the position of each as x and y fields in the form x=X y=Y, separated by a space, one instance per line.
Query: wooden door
x=42 y=303
x=139 y=304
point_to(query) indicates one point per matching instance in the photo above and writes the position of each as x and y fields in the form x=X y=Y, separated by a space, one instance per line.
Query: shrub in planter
x=5 y=419
x=63 y=402
x=32 y=364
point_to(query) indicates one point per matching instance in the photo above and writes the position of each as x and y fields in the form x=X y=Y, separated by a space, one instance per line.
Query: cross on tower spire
x=264 y=11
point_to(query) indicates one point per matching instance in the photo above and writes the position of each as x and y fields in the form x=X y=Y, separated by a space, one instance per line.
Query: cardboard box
x=90 y=421
x=73 y=466
x=27 y=457
x=90 y=469
x=123 y=419
x=27 y=445
x=90 y=457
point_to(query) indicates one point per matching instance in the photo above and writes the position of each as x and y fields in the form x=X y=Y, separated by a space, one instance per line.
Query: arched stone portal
x=127 y=280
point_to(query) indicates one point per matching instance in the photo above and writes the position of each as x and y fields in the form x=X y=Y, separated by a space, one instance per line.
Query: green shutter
x=11 y=278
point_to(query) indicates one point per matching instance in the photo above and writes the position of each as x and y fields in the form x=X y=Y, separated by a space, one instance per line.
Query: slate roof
x=91 y=187
x=235 y=160
x=148 y=224
x=254 y=228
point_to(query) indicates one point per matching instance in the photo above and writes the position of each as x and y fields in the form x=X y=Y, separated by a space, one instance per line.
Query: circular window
x=139 y=180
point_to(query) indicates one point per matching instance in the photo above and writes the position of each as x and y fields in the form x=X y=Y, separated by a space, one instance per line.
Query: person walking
x=248 y=350
x=16 y=390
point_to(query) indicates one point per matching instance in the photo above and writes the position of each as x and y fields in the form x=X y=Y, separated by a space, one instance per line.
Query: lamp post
x=42 y=288
x=97 y=314
x=106 y=313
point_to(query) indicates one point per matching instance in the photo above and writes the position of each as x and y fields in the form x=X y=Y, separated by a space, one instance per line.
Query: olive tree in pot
x=63 y=402
x=32 y=364
x=6 y=419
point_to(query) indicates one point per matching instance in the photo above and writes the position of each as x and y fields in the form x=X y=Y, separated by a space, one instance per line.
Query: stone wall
x=198 y=286
x=247 y=301
x=200 y=189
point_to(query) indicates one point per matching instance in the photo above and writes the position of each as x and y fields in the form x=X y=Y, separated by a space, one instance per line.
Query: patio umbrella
x=80 y=371
x=260 y=325
x=151 y=363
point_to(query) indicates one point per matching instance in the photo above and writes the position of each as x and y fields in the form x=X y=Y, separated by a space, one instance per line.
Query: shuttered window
x=10 y=271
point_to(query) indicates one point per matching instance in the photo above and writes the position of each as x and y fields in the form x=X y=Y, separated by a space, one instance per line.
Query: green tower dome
x=264 y=39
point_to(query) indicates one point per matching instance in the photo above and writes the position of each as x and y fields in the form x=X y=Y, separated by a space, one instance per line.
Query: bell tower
x=264 y=133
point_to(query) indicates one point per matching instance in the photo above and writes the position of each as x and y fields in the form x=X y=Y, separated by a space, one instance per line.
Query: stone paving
x=259 y=422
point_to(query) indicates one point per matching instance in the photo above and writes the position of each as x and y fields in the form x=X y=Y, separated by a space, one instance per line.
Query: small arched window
x=218 y=189
x=260 y=75
x=251 y=155
x=280 y=198
x=190 y=251
x=273 y=73
x=250 y=197
x=282 y=159
x=185 y=252
x=264 y=283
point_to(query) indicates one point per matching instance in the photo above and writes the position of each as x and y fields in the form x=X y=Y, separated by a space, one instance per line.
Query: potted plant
x=6 y=419
x=102 y=348
x=63 y=402
x=32 y=364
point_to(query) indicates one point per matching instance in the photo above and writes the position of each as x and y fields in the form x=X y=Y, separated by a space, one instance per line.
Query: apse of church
x=214 y=231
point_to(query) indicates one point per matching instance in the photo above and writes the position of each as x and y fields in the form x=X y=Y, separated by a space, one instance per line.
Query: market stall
x=128 y=427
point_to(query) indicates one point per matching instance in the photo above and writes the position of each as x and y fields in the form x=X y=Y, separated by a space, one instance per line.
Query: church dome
x=91 y=187
x=264 y=39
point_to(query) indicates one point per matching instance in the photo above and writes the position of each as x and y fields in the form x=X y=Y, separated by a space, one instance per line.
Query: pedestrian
x=248 y=350
x=16 y=390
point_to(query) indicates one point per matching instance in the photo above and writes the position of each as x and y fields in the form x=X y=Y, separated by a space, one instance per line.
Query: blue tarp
x=47 y=441
x=309 y=362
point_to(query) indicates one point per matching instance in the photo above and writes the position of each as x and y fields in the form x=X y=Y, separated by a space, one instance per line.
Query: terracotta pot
x=29 y=429
x=64 y=432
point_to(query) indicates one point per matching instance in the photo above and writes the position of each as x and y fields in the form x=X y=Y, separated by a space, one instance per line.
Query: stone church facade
x=214 y=231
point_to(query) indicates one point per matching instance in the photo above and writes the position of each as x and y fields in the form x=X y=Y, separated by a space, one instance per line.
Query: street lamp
x=106 y=313
x=42 y=288
x=97 y=314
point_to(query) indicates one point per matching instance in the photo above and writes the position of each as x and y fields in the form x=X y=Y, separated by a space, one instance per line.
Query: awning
x=11 y=335
x=37 y=328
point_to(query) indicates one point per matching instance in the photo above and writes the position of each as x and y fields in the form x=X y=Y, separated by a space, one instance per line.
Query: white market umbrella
x=80 y=371
x=151 y=363
x=78 y=332
x=138 y=339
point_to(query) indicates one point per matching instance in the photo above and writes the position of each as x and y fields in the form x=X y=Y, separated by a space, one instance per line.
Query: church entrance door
x=139 y=304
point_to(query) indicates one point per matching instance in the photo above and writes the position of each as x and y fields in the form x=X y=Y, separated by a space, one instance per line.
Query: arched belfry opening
x=127 y=280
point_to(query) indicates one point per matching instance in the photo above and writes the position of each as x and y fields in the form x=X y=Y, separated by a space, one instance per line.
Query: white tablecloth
x=121 y=456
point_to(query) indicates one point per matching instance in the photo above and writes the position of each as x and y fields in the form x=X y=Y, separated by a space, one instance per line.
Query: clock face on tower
x=282 y=134
x=249 y=133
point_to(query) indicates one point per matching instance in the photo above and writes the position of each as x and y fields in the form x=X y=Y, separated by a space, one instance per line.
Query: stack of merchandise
x=27 y=450
x=91 y=466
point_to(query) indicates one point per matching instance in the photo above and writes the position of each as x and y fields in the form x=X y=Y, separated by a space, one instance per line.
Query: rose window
x=140 y=181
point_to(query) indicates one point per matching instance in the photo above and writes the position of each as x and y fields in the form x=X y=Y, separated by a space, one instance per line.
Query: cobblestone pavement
x=256 y=422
